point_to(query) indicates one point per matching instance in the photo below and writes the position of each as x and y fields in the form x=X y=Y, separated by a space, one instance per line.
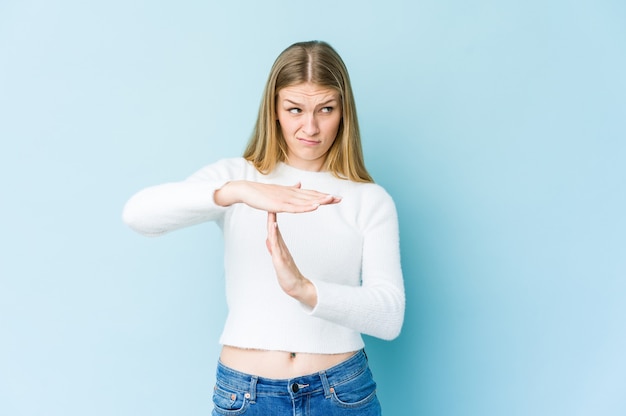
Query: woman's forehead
x=308 y=91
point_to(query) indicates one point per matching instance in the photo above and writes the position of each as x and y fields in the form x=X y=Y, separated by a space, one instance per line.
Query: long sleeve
x=377 y=306
x=162 y=208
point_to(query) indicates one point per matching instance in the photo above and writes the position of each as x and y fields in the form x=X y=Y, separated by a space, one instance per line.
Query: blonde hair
x=318 y=63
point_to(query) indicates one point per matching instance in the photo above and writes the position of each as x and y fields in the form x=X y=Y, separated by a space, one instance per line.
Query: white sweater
x=350 y=251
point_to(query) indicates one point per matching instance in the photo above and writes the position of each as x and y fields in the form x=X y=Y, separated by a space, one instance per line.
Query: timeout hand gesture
x=274 y=199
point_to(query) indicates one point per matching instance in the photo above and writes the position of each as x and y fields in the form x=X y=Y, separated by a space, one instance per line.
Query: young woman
x=300 y=294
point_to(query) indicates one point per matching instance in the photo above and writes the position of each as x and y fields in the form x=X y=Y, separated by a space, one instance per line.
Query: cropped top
x=350 y=252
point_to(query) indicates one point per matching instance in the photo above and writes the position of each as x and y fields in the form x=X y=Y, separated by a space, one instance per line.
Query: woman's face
x=309 y=117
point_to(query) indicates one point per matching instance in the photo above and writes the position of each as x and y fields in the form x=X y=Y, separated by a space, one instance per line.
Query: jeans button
x=295 y=388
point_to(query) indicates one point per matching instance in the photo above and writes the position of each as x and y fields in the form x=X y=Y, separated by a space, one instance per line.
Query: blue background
x=497 y=126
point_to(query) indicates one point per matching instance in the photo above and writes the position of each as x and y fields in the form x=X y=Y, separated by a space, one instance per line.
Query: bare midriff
x=278 y=364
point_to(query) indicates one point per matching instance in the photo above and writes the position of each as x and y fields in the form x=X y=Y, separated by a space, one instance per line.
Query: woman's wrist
x=305 y=293
x=227 y=194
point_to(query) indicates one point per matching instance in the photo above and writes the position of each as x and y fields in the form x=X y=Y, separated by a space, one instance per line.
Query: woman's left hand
x=289 y=277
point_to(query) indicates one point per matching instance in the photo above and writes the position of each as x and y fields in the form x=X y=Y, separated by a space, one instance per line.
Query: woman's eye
x=327 y=109
x=294 y=110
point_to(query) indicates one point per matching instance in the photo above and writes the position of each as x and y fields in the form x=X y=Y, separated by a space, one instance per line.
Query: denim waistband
x=322 y=381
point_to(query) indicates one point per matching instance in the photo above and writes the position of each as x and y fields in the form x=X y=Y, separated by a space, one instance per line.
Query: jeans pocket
x=357 y=392
x=229 y=402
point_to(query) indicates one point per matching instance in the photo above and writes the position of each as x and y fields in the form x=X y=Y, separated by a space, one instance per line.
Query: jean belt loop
x=325 y=384
x=252 y=391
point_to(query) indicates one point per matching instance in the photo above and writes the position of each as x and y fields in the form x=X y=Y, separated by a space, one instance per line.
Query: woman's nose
x=311 y=128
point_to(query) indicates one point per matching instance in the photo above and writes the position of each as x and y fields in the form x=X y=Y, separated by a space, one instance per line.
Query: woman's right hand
x=272 y=198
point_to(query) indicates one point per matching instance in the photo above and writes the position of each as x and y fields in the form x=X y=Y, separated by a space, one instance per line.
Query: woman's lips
x=309 y=142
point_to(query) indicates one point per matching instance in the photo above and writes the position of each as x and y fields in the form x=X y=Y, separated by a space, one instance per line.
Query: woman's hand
x=272 y=198
x=289 y=277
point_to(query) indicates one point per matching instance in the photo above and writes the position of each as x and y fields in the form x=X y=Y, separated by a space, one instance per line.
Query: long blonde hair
x=316 y=62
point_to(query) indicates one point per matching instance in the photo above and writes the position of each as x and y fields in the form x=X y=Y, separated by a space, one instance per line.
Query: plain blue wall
x=498 y=127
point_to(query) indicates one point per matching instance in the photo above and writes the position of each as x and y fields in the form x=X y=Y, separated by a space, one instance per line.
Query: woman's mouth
x=309 y=142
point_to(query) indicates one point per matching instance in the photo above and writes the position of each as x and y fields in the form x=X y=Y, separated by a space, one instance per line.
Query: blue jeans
x=345 y=389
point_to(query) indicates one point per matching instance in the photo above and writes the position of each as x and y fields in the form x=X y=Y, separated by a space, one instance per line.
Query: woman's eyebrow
x=292 y=102
x=328 y=101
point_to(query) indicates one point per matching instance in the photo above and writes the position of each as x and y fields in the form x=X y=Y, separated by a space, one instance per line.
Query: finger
x=330 y=199
x=300 y=207
x=309 y=193
x=268 y=245
x=323 y=199
x=271 y=238
x=305 y=200
x=275 y=238
x=271 y=226
x=305 y=196
x=326 y=200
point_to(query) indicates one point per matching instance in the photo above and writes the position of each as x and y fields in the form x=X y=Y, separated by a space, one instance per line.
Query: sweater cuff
x=308 y=309
x=323 y=308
